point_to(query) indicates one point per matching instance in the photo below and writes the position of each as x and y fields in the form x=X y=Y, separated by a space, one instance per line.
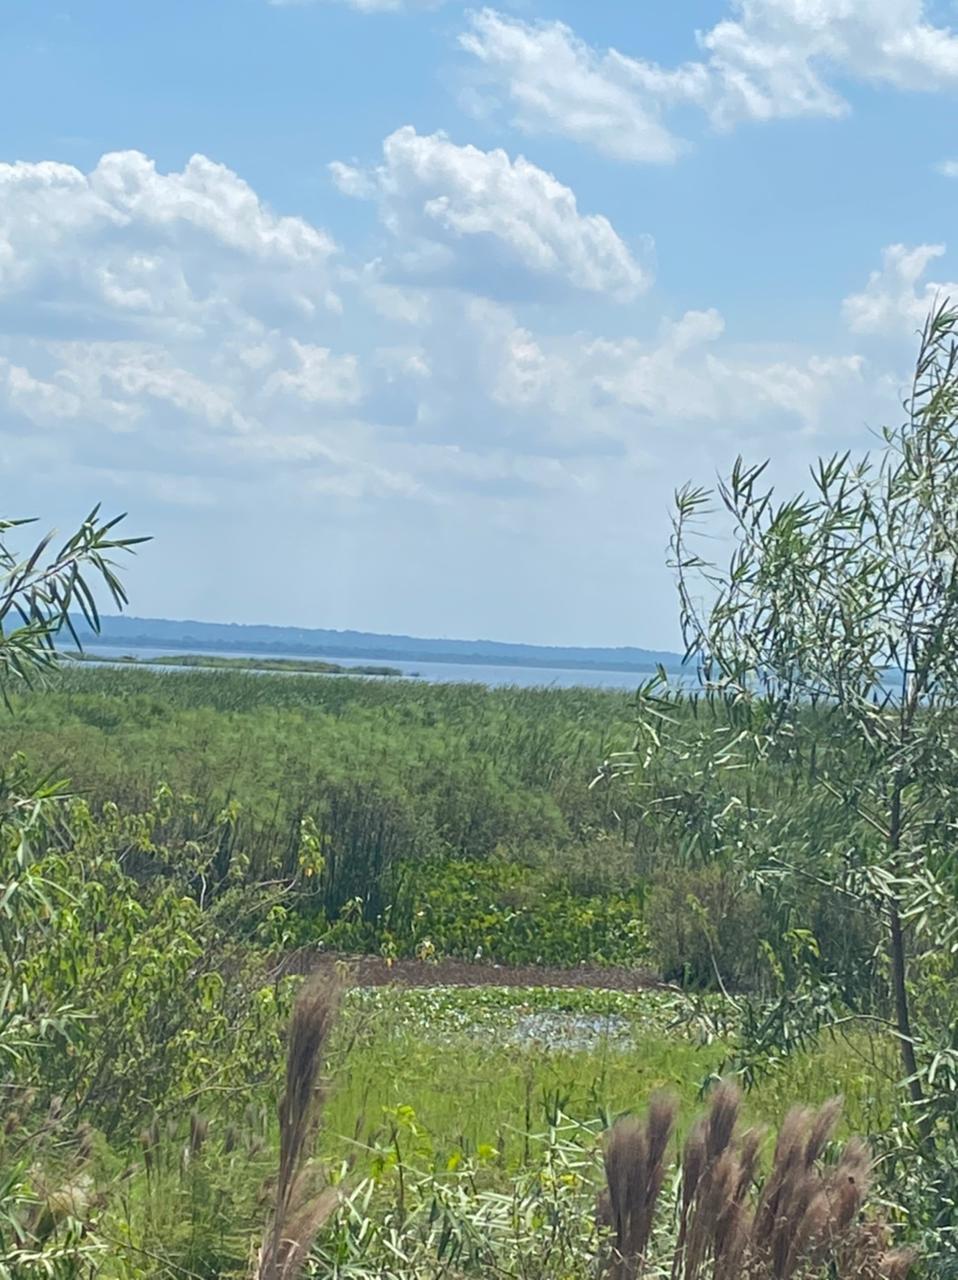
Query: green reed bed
x=455 y=819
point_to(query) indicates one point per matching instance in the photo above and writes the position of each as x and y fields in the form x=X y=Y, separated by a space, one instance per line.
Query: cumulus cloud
x=778 y=57
x=128 y=246
x=897 y=299
x=40 y=401
x=163 y=322
x=685 y=376
x=320 y=378
x=769 y=59
x=498 y=383
x=481 y=219
x=557 y=84
x=154 y=325
x=123 y=383
x=948 y=168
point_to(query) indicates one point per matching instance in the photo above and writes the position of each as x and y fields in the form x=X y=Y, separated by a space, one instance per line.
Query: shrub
x=705 y=927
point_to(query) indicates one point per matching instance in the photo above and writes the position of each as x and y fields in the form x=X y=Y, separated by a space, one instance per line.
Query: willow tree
x=845 y=597
x=43 y=590
x=41 y=593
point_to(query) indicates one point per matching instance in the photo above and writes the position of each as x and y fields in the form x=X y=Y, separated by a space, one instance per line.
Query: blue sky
x=411 y=316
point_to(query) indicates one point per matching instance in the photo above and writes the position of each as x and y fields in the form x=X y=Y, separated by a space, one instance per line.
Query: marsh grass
x=453 y=817
x=451 y=1056
x=383 y=818
x=449 y=1149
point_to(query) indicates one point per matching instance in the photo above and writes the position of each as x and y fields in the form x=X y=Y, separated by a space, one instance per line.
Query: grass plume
x=806 y=1219
x=300 y=1209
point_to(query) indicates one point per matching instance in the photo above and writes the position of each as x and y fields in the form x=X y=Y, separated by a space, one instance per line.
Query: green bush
x=515 y=915
x=705 y=928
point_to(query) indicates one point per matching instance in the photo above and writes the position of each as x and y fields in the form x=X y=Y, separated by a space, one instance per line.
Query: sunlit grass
x=451 y=1056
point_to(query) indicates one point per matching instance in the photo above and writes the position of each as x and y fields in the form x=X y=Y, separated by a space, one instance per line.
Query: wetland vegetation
x=772 y=859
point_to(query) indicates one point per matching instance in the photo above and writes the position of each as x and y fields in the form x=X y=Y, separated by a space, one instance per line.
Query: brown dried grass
x=300 y=1207
x=805 y=1219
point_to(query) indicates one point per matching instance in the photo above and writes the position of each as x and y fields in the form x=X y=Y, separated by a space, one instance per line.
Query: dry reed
x=300 y=1208
x=805 y=1220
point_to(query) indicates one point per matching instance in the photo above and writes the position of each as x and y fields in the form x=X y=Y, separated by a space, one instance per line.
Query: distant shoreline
x=193 y=645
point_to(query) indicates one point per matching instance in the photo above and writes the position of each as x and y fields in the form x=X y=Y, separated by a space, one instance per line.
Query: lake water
x=435 y=672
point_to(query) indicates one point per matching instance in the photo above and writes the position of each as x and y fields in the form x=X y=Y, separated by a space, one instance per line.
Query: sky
x=411 y=316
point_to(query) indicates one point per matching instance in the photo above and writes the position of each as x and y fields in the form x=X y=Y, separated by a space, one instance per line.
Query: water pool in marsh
x=567 y=1031
x=545 y=1019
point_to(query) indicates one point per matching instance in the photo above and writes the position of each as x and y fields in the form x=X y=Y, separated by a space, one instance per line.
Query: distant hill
x=162 y=633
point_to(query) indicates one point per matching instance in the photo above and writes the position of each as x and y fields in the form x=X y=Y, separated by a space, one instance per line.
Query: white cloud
x=139 y=375
x=896 y=300
x=769 y=59
x=40 y=401
x=690 y=374
x=679 y=378
x=134 y=248
x=161 y=322
x=948 y=168
x=496 y=383
x=557 y=84
x=164 y=349
x=776 y=57
x=321 y=376
x=478 y=218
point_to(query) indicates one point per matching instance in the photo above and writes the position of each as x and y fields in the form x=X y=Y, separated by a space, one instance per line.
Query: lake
x=435 y=672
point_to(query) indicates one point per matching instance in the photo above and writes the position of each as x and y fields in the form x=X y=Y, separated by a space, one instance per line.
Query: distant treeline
x=191 y=636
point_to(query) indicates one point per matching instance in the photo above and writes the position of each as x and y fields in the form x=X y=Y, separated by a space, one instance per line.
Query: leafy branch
x=39 y=593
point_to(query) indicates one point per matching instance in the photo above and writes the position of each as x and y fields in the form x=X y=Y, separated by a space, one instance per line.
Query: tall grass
x=453 y=817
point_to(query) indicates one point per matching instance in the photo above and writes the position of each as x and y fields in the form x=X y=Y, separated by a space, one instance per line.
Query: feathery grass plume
x=706 y=1233
x=625 y=1165
x=737 y=1218
x=795 y=1212
x=199 y=1129
x=659 y=1124
x=822 y=1127
x=635 y=1168
x=749 y=1149
x=807 y=1217
x=299 y=1210
x=710 y=1182
x=789 y=1154
x=694 y=1160
x=723 y=1116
